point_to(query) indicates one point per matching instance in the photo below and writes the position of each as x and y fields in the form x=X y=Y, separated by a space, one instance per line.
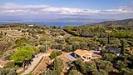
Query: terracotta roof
x=83 y=52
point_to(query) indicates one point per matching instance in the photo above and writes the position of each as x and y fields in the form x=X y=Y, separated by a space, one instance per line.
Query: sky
x=40 y=10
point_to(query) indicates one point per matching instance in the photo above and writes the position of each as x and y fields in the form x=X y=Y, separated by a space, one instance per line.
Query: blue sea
x=56 y=23
x=51 y=23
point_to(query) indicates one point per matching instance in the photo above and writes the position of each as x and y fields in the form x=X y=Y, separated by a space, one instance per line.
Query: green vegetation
x=57 y=68
x=58 y=65
x=74 y=72
x=55 y=53
x=86 y=31
x=8 y=71
x=115 y=42
x=23 y=53
x=21 y=42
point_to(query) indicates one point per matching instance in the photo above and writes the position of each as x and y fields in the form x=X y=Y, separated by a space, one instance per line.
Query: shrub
x=55 y=53
x=43 y=49
x=74 y=72
x=23 y=53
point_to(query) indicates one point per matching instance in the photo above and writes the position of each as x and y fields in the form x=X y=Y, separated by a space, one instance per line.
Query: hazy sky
x=23 y=10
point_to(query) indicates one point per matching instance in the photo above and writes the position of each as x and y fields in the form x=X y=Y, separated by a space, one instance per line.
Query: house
x=84 y=55
x=87 y=55
x=130 y=50
x=30 y=25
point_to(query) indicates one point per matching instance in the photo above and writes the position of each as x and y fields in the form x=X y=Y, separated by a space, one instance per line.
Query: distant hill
x=125 y=22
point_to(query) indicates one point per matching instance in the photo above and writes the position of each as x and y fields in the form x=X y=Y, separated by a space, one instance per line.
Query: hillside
x=125 y=22
x=51 y=50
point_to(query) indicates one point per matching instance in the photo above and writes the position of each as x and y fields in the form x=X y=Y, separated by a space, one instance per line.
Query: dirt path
x=41 y=66
x=39 y=63
x=35 y=61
